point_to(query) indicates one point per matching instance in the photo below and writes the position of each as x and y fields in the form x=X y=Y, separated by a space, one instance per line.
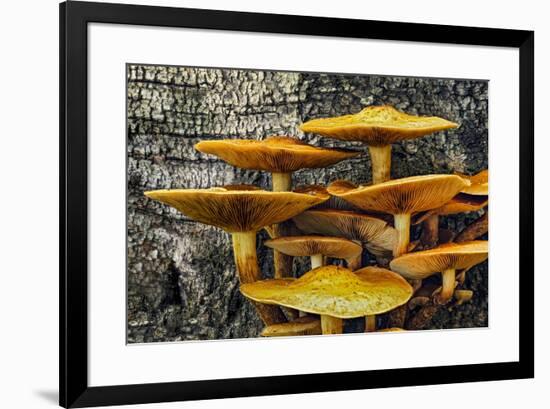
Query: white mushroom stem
x=370 y=323
x=448 y=286
x=380 y=157
x=402 y=224
x=316 y=260
x=246 y=261
x=331 y=325
x=282 y=182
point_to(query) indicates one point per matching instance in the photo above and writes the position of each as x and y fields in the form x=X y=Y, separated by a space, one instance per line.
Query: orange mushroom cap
x=238 y=208
x=299 y=246
x=280 y=154
x=458 y=256
x=401 y=196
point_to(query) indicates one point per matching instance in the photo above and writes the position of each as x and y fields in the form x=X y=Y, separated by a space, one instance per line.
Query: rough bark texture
x=181 y=279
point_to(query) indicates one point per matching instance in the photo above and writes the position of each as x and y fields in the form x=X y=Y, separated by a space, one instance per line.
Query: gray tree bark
x=181 y=278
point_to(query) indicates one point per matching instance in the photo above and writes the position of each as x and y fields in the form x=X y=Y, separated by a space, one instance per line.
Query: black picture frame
x=73 y=379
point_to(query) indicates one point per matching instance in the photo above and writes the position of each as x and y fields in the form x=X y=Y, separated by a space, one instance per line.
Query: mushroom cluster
x=366 y=228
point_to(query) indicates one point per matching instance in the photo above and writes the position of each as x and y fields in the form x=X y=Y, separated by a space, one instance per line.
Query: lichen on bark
x=181 y=278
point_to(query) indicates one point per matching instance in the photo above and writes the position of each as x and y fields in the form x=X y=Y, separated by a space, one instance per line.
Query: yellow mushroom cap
x=479 y=183
x=392 y=329
x=297 y=246
x=377 y=125
x=375 y=233
x=402 y=196
x=392 y=285
x=238 y=208
x=333 y=291
x=280 y=154
x=461 y=203
x=309 y=325
x=456 y=256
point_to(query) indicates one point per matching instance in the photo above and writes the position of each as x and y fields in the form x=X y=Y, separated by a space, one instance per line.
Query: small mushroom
x=279 y=155
x=445 y=259
x=376 y=235
x=423 y=295
x=240 y=210
x=393 y=288
x=333 y=292
x=377 y=127
x=401 y=198
x=308 y=325
x=316 y=247
x=462 y=296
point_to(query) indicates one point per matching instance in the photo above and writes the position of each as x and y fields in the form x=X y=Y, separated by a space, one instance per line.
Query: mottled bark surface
x=181 y=278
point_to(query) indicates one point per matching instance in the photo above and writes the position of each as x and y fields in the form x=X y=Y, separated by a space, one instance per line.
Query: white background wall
x=29 y=219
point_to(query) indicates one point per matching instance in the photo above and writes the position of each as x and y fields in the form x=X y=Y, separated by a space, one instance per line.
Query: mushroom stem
x=244 y=249
x=370 y=323
x=430 y=232
x=354 y=263
x=246 y=261
x=316 y=261
x=331 y=325
x=402 y=224
x=380 y=157
x=448 y=286
x=282 y=182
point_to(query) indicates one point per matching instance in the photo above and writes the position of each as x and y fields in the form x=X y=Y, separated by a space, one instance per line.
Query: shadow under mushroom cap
x=456 y=256
x=377 y=125
x=333 y=291
x=241 y=209
x=377 y=235
x=402 y=196
x=280 y=154
x=461 y=203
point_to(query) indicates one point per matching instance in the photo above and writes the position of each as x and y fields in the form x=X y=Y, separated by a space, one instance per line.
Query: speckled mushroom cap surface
x=392 y=285
x=375 y=233
x=459 y=256
x=461 y=203
x=299 y=246
x=238 y=208
x=377 y=125
x=281 y=154
x=401 y=196
x=309 y=325
x=479 y=183
x=334 y=291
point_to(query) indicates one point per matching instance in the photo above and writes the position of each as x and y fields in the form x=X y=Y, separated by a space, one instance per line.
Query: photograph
x=273 y=203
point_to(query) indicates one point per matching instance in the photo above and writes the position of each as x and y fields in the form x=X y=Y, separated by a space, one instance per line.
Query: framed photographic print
x=251 y=204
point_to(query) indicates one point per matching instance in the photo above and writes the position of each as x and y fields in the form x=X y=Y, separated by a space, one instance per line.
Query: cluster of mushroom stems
x=342 y=221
